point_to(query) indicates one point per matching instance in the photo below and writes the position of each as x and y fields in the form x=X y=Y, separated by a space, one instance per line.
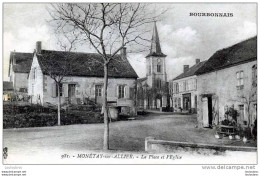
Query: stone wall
x=162 y=146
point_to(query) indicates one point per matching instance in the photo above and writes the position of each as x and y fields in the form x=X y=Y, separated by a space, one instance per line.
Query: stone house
x=183 y=89
x=152 y=89
x=227 y=79
x=19 y=68
x=82 y=79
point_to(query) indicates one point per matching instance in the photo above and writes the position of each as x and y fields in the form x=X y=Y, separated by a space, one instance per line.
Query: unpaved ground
x=124 y=135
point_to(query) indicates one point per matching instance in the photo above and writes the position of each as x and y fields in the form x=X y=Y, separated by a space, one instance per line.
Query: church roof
x=155 y=44
x=141 y=79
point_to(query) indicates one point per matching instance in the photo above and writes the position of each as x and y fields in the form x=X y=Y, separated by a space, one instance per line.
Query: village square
x=70 y=100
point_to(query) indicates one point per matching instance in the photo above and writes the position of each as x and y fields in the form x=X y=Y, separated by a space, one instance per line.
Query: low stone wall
x=153 y=145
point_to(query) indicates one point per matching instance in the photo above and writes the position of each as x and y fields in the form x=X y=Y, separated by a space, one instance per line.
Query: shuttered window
x=132 y=93
x=158 y=83
x=240 y=80
x=121 y=91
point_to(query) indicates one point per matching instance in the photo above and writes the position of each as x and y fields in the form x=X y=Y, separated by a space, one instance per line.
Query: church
x=152 y=90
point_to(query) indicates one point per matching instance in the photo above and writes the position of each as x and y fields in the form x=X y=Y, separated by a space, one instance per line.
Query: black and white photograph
x=129 y=84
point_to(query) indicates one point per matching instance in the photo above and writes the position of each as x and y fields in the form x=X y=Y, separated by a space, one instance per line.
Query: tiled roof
x=239 y=53
x=84 y=64
x=191 y=71
x=23 y=62
x=141 y=79
x=7 y=86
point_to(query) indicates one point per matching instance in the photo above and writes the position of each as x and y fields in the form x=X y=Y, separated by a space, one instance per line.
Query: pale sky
x=183 y=38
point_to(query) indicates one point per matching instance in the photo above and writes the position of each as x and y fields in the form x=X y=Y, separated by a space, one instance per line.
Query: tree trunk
x=106 y=122
x=58 y=104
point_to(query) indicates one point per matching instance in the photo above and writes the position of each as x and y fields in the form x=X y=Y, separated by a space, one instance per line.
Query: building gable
x=20 y=62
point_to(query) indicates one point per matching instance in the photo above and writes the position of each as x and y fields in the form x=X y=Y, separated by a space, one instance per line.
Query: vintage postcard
x=130 y=83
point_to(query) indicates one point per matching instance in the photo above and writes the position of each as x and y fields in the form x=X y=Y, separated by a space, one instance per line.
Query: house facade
x=85 y=82
x=19 y=68
x=183 y=89
x=152 y=90
x=229 y=79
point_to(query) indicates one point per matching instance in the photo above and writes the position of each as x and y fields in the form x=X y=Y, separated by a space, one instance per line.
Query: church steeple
x=155 y=44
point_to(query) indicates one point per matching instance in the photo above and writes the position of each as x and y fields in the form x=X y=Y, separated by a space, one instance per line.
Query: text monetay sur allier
x=195 y=14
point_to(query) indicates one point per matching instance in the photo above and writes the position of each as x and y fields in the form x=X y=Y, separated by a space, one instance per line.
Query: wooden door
x=205 y=112
x=71 y=93
x=186 y=101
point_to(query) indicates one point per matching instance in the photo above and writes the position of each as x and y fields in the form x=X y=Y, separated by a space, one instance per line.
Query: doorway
x=158 y=101
x=98 y=94
x=71 y=93
x=207 y=111
x=186 y=102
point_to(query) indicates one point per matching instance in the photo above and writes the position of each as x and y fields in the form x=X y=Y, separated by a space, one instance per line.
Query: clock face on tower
x=158 y=60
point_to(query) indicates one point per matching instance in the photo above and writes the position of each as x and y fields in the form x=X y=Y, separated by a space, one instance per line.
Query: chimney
x=197 y=61
x=123 y=53
x=14 y=59
x=38 y=47
x=185 y=68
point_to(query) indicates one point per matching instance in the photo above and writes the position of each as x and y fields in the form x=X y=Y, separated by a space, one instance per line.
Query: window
x=23 y=90
x=158 y=68
x=150 y=70
x=34 y=73
x=187 y=86
x=176 y=88
x=175 y=102
x=132 y=93
x=181 y=87
x=179 y=102
x=195 y=84
x=240 y=80
x=184 y=85
x=98 y=90
x=121 y=91
x=158 y=83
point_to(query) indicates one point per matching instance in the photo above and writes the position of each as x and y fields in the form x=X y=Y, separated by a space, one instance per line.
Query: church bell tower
x=155 y=63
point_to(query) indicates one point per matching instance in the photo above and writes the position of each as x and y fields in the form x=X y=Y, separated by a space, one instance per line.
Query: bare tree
x=107 y=28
